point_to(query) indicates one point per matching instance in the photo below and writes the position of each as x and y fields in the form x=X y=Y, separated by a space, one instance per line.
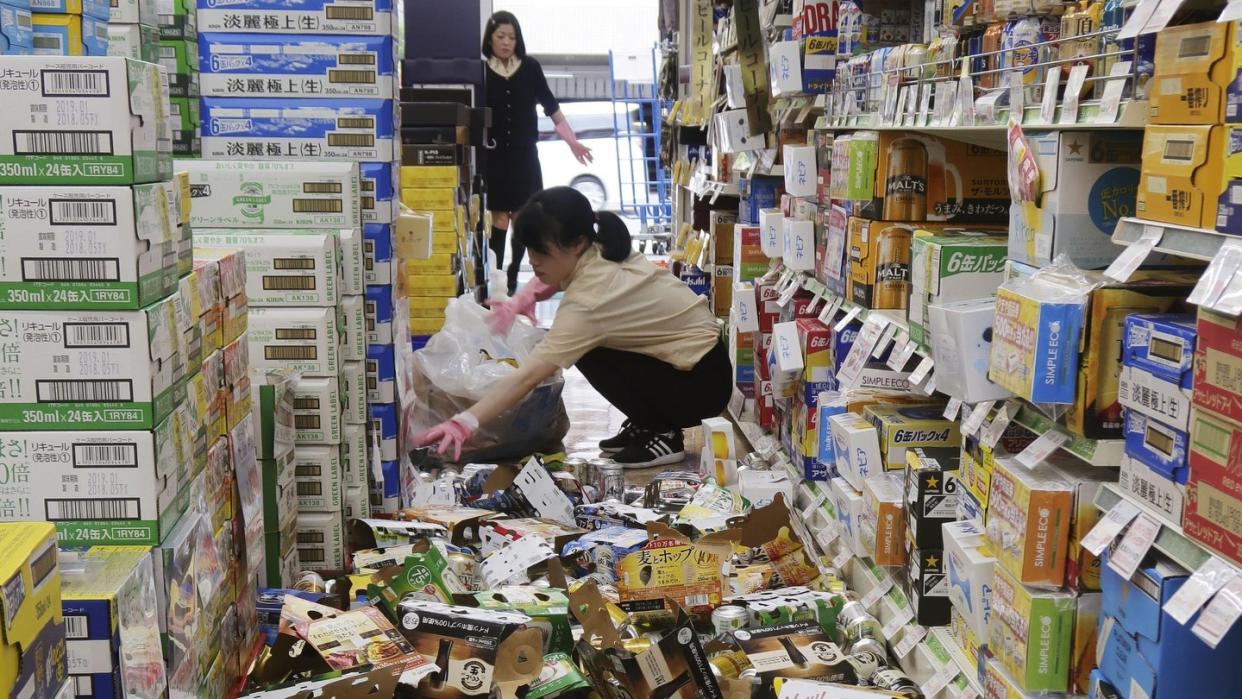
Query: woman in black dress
x=514 y=84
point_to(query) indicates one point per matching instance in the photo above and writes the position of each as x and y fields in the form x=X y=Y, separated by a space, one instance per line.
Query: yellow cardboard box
x=437 y=263
x=1182 y=175
x=427 y=306
x=444 y=285
x=430 y=199
x=421 y=176
x=1193 y=68
x=32 y=642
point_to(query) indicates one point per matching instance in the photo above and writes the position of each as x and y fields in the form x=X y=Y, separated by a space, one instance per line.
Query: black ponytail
x=562 y=216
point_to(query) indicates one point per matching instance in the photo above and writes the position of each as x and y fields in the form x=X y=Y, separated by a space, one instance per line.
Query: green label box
x=180 y=58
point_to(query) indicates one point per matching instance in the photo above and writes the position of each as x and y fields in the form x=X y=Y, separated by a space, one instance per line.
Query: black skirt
x=513 y=175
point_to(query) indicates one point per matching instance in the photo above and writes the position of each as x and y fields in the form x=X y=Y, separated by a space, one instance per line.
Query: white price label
x=1220 y=614
x=911 y=639
x=1138 y=19
x=1114 y=90
x=1191 y=596
x=886 y=583
x=1038 y=451
x=830 y=310
x=1219 y=273
x=964 y=111
x=1133 y=256
x=940 y=680
x=1048 y=107
x=1073 y=88
x=825 y=536
x=889 y=333
x=930 y=387
x=904 y=616
x=1017 y=97
x=868 y=336
x=946 y=94
x=921 y=371
x=843 y=556
x=900 y=343
x=996 y=428
x=850 y=315
x=897 y=360
x=1109 y=526
x=1125 y=559
x=975 y=420
x=953 y=408
x=1232 y=11
x=810 y=509
x=925 y=98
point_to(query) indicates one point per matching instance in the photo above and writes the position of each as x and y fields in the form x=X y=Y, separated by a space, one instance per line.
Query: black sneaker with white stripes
x=654 y=449
x=629 y=434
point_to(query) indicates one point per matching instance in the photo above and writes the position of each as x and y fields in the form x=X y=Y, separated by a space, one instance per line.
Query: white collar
x=505 y=70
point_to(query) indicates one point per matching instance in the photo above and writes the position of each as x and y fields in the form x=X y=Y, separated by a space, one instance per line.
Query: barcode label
x=168 y=52
x=89 y=335
x=368 y=202
x=306 y=404
x=76 y=83
x=318 y=206
x=283 y=353
x=46 y=42
x=355 y=123
x=697 y=601
x=307 y=470
x=340 y=75
x=104 y=508
x=45 y=269
x=321 y=188
x=306 y=422
x=311 y=555
x=309 y=488
x=82 y=390
x=280 y=283
x=367 y=186
x=105 y=455
x=296 y=333
x=56 y=142
x=370 y=308
x=352 y=13
x=295 y=263
x=25 y=21
x=76 y=627
x=311 y=537
x=372 y=383
x=351 y=140
x=355 y=59
x=72 y=212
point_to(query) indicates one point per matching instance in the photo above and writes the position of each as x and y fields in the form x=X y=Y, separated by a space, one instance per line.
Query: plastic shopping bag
x=461 y=363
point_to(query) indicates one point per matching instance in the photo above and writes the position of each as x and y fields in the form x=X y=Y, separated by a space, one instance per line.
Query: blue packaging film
x=315 y=66
x=418 y=342
x=377 y=253
x=381 y=374
x=383 y=417
x=380 y=191
x=375 y=17
x=379 y=306
x=1162 y=344
x=16 y=30
x=392 y=478
x=327 y=129
x=1161 y=448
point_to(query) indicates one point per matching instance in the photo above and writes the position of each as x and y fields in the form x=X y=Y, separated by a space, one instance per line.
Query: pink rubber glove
x=505 y=311
x=581 y=152
x=451 y=433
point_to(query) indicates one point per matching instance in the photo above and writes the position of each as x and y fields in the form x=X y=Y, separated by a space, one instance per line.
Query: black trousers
x=656 y=395
x=497 y=245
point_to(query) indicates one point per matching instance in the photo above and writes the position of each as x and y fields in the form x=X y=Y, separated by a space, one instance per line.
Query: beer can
x=464 y=566
x=896 y=681
x=729 y=618
x=867 y=645
x=865 y=663
x=905 y=187
x=580 y=467
x=310 y=581
x=857 y=622
x=990 y=48
x=892 y=266
x=609 y=480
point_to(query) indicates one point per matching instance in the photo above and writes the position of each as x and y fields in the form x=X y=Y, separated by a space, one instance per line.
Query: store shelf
x=1170 y=541
x=1096 y=452
x=970 y=671
x=1194 y=243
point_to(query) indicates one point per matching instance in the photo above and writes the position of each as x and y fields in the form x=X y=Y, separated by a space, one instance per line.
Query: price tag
x=996 y=428
x=964 y=111
x=925 y=97
x=900 y=343
x=975 y=420
x=1195 y=592
x=815 y=299
x=874 y=595
x=940 y=680
x=930 y=387
x=825 y=536
x=911 y=639
x=790 y=291
x=1109 y=526
x=1219 y=273
x=1073 y=89
x=843 y=556
x=1164 y=12
x=849 y=316
x=1133 y=256
x=1220 y=614
x=891 y=95
x=1138 y=19
x=1114 y=89
x=894 y=625
x=1048 y=107
x=1038 y=451
x=889 y=333
x=987 y=106
x=1017 y=96
x=946 y=92
x=969 y=693
x=922 y=370
x=897 y=360
x=830 y=310
x=951 y=410
x=1232 y=11
x=810 y=509
x=868 y=336
x=736 y=401
x=1125 y=559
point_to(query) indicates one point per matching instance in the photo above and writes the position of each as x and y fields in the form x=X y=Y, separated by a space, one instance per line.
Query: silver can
x=609 y=480
x=729 y=618
x=858 y=623
x=580 y=468
x=896 y=681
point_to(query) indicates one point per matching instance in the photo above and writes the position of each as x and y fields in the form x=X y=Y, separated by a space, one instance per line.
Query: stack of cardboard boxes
x=299 y=228
x=133 y=31
x=16 y=30
x=69 y=27
x=177 y=21
x=32 y=636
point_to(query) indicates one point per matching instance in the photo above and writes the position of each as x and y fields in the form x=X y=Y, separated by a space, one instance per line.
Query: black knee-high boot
x=497 y=245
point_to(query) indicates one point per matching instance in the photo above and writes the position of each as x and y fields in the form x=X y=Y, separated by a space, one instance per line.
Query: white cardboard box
x=801 y=174
x=970 y=570
x=353 y=263
x=354 y=461
x=857 y=445
x=303 y=339
x=293 y=267
x=357 y=502
x=799 y=252
x=273 y=194
x=961 y=345
x=352 y=316
x=321 y=540
x=317 y=472
x=354 y=391
x=848 y=503
x=317 y=410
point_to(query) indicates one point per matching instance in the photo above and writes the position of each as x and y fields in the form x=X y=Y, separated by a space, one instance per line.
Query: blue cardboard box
x=383 y=417
x=357 y=17
x=1147 y=650
x=68 y=35
x=377 y=253
x=325 y=129
x=759 y=192
x=379 y=314
x=315 y=66
x=380 y=192
x=1163 y=344
x=98 y=9
x=381 y=374
x=16 y=30
x=1161 y=448
x=392 y=482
